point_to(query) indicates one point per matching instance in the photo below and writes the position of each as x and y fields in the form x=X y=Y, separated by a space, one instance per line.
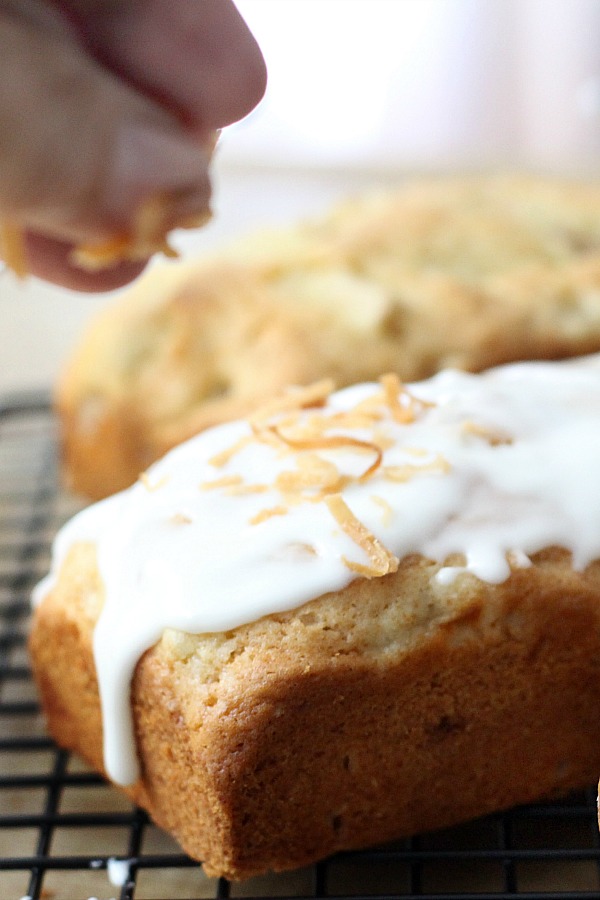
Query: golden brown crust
x=447 y=272
x=394 y=706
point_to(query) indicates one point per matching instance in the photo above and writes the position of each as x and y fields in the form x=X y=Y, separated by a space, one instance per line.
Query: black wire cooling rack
x=66 y=835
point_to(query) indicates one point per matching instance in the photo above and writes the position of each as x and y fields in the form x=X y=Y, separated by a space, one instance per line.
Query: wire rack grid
x=67 y=835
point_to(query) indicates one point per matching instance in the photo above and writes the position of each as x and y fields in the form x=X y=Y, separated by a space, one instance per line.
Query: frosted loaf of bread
x=351 y=617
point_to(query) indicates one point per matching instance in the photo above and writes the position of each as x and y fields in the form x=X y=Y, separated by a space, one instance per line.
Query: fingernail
x=149 y=161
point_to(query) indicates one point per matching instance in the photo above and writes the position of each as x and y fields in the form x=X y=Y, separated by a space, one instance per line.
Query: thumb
x=80 y=150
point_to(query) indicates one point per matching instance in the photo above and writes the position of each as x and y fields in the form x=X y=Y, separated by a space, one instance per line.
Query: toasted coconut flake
x=238 y=489
x=388 y=512
x=148 y=235
x=301 y=398
x=296 y=550
x=383 y=439
x=408 y=470
x=153 y=485
x=334 y=442
x=335 y=488
x=416 y=451
x=361 y=569
x=517 y=559
x=371 y=406
x=12 y=244
x=149 y=223
x=393 y=390
x=352 y=419
x=225 y=481
x=383 y=562
x=265 y=514
x=302 y=548
x=101 y=255
x=313 y=471
x=314 y=426
x=180 y=519
x=222 y=458
x=267 y=434
x=493 y=437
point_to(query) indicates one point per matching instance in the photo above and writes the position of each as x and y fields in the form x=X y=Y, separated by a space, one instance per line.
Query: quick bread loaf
x=351 y=617
x=464 y=272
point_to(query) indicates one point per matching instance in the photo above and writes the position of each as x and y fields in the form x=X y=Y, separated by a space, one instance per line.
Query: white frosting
x=520 y=448
x=118 y=871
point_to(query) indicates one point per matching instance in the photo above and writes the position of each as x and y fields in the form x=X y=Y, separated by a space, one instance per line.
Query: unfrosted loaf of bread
x=352 y=618
x=467 y=272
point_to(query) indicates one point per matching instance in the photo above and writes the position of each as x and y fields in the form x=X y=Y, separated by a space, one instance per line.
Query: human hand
x=107 y=104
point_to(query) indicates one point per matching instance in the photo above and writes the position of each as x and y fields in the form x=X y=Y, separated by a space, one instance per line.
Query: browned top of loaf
x=466 y=272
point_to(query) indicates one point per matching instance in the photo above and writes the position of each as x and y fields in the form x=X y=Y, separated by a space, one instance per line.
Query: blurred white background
x=426 y=83
x=360 y=92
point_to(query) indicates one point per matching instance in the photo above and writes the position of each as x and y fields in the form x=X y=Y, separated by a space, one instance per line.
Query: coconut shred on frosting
x=260 y=516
